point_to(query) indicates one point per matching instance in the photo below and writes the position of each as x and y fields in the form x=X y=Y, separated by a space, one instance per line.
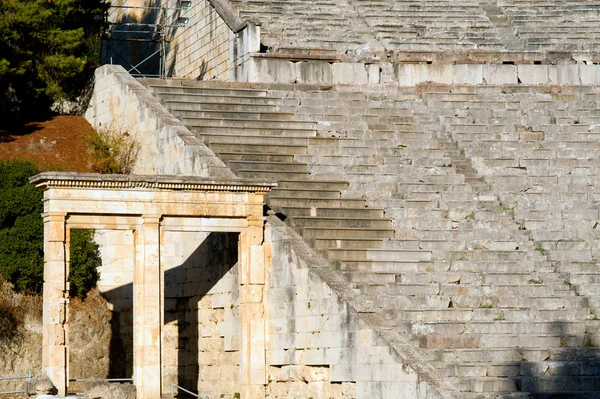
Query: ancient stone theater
x=344 y=199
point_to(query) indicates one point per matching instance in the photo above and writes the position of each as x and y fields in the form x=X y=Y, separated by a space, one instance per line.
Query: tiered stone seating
x=402 y=193
x=426 y=25
x=557 y=25
x=372 y=25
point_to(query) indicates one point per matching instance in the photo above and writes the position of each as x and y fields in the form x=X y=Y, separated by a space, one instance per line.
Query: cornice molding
x=49 y=180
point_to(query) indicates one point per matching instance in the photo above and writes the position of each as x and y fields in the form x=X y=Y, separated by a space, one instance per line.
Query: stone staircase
x=366 y=26
x=376 y=26
x=556 y=25
x=395 y=191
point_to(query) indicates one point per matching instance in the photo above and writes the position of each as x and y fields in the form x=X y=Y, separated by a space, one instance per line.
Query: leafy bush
x=21 y=227
x=22 y=235
x=113 y=152
x=48 y=50
x=85 y=259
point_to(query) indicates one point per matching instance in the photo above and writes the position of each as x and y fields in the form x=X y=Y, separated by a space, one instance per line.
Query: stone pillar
x=253 y=371
x=55 y=339
x=147 y=293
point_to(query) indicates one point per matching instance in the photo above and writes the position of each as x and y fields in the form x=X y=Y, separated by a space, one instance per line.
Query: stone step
x=215 y=98
x=504 y=327
x=296 y=201
x=469 y=315
x=390 y=268
x=329 y=222
x=210 y=91
x=244 y=156
x=272 y=174
x=262 y=131
x=327 y=243
x=268 y=141
x=312 y=232
x=262 y=165
x=210 y=105
x=314 y=184
x=304 y=193
x=332 y=211
x=246 y=123
x=285 y=149
x=491 y=355
x=381 y=255
x=186 y=114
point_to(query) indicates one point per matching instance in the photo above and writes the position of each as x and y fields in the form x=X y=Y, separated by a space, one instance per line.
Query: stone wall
x=270 y=69
x=200 y=316
x=318 y=345
x=121 y=104
x=116 y=285
x=200 y=347
x=200 y=49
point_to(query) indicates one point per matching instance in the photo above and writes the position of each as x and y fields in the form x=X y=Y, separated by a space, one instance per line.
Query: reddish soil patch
x=57 y=144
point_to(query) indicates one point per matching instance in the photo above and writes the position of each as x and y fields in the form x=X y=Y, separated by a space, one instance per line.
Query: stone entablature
x=149 y=206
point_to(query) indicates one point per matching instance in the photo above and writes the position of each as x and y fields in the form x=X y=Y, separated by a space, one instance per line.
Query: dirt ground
x=58 y=144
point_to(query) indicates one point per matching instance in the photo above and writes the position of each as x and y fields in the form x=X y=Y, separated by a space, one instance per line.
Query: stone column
x=55 y=339
x=253 y=372
x=147 y=292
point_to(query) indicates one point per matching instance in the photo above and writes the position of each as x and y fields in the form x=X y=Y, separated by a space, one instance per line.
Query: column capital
x=255 y=220
x=54 y=216
x=151 y=219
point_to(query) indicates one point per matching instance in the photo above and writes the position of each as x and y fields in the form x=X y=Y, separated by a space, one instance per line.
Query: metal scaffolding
x=137 y=37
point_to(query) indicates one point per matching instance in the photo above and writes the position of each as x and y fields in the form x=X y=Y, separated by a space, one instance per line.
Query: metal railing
x=27 y=379
x=175 y=387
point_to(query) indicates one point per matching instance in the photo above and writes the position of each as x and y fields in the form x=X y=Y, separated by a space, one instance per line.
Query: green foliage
x=85 y=259
x=21 y=227
x=22 y=235
x=113 y=152
x=48 y=49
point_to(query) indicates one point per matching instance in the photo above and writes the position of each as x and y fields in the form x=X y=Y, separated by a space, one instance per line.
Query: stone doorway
x=154 y=209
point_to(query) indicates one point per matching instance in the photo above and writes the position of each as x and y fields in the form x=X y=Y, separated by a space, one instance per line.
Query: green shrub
x=22 y=235
x=48 y=51
x=21 y=227
x=85 y=259
x=113 y=152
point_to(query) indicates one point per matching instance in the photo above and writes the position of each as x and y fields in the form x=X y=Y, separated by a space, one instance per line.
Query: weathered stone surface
x=493 y=182
x=43 y=386
x=107 y=390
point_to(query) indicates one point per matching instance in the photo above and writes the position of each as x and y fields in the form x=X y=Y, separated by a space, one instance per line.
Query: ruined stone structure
x=435 y=229
x=154 y=208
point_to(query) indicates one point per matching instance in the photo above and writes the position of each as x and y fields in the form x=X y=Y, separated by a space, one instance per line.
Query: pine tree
x=47 y=50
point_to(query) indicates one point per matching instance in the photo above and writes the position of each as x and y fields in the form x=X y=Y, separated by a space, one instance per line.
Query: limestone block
x=499 y=74
x=314 y=73
x=467 y=74
x=589 y=74
x=374 y=74
x=349 y=73
x=563 y=74
x=412 y=74
x=533 y=74
x=257 y=265
x=317 y=356
x=343 y=372
x=54 y=230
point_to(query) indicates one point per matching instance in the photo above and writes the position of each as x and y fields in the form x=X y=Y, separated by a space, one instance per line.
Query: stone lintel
x=47 y=180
